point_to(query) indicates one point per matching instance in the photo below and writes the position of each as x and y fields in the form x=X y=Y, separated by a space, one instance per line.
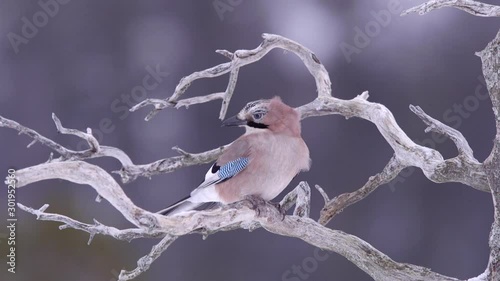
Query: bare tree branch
x=238 y=215
x=91 y=140
x=472 y=7
x=461 y=143
x=366 y=257
x=94 y=151
x=93 y=229
x=129 y=170
x=64 y=152
x=85 y=173
x=145 y=262
x=238 y=59
x=472 y=172
x=230 y=217
x=233 y=78
x=491 y=70
x=168 y=165
x=407 y=152
x=200 y=99
x=303 y=201
x=323 y=194
x=464 y=168
x=490 y=169
x=336 y=205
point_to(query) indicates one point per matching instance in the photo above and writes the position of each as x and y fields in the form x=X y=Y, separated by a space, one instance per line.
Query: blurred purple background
x=85 y=60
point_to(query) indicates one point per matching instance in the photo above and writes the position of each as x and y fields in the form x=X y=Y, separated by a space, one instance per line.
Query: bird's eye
x=257 y=116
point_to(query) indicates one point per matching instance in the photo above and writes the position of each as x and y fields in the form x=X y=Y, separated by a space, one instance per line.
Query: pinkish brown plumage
x=262 y=162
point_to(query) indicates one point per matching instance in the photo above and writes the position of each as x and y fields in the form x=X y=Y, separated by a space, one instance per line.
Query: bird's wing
x=218 y=174
x=233 y=160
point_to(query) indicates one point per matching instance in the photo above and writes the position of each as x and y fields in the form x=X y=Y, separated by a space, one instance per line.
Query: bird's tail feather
x=180 y=206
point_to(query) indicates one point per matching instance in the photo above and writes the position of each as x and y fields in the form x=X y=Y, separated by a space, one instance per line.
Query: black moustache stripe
x=257 y=125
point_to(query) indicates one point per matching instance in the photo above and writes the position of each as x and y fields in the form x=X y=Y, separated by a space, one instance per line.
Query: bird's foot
x=256 y=203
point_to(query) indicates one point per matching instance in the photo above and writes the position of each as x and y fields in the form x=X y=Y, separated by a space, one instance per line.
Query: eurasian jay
x=260 y=163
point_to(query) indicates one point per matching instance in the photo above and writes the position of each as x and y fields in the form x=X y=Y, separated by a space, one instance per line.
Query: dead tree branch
x=336 y=205
x=470 y=6
x=491 y=70
x=463 y=168
x=235 y=216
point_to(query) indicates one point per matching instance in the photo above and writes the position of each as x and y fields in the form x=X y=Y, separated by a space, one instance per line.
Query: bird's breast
x=274 y=162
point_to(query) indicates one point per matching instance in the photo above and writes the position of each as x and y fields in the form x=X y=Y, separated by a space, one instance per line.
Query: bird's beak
x=233 y=121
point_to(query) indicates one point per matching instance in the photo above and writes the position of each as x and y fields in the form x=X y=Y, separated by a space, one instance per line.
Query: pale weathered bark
x=490 y=58
x=463 y=168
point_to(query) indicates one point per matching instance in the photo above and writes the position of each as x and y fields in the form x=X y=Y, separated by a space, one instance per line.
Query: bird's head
x=271 y=115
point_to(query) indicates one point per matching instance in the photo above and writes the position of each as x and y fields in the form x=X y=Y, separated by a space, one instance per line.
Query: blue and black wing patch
x=218 y=174
x=232 y=168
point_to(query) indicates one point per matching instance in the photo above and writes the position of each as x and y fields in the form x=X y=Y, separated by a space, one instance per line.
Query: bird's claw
x=256 y=203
